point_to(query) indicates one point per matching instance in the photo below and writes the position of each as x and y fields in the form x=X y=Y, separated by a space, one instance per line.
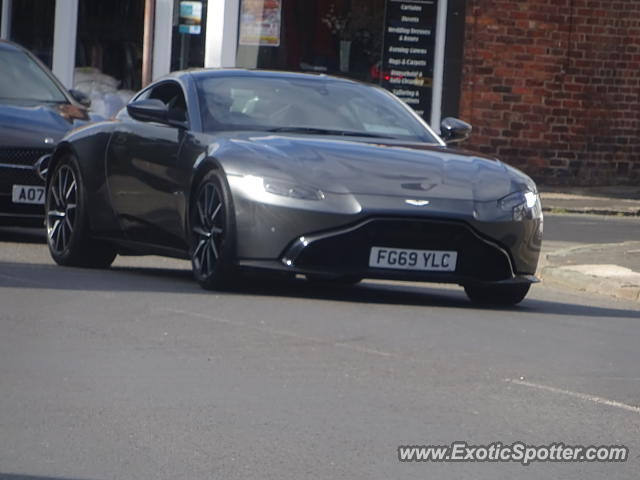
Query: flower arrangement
x=336 y=23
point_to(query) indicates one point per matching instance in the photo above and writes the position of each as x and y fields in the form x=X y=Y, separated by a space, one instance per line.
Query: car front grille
x=349 y=250
x=15 y=168
x=21 y=156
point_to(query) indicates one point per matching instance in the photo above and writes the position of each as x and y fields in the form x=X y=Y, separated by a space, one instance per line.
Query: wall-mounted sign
x=409 y=44
x=260 y=22
x=190 y=18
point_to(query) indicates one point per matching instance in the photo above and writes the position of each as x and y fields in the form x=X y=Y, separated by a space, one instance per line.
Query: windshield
x=22 y=79
x=306 y=105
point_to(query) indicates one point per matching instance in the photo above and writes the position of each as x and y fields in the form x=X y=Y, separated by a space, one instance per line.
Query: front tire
x=67 y=222
x=211 y=219
x=503 y=295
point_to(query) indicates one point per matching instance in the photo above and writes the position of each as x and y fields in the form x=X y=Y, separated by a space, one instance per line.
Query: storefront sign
x=409 y=44
x=260 y=22
x=190 y=18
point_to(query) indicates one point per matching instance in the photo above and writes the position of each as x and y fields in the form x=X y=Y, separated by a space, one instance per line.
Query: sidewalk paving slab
x=591 y=268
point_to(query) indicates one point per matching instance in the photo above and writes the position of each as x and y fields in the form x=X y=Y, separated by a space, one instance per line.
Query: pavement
x=602 y=268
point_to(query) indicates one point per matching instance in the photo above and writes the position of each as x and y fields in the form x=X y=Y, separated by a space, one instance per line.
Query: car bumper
x=18 y=169
x=345 y=251
x=18 y=214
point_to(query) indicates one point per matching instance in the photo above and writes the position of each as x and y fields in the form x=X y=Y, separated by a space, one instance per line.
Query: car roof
x=243 y=72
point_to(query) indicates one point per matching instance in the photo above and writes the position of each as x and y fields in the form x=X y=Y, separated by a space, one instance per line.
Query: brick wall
x=553 y=87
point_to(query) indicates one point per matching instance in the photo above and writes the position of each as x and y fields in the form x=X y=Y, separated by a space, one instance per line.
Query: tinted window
x=23 y=79
x=170 y=93
x=267 y=103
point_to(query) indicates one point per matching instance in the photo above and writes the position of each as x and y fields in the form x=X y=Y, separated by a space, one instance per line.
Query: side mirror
x=80 y=97
x=453 y=130
x=149 y=110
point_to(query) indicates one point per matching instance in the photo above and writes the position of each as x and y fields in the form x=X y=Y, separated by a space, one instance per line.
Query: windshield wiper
x=326 y=131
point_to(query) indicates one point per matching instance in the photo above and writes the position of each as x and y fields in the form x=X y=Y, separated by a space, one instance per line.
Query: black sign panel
x=409 y=45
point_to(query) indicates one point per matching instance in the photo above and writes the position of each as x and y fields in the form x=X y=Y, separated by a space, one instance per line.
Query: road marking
x=579 y=395
x=284 y=333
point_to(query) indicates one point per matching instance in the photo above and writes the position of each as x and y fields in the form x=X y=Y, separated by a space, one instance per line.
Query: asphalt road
x=135 y=373
x=590 y=228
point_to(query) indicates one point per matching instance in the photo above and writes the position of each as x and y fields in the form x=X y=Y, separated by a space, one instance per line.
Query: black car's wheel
x=68 y=235
x=497 y=294
x=212 y=233
x=344 y=280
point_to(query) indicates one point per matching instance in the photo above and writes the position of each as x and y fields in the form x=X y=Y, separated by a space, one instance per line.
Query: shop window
x=110 y=39
x=387 y=42
x=188 y=35
x=340 y=37
x=32 y=27
x=109 y=52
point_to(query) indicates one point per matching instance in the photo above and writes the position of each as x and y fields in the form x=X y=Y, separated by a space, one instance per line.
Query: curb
x=602 y=279
x=591 y=211
x=626 y=287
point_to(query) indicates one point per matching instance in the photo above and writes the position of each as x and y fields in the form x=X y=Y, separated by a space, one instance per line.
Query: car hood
x=358 y=167
x=37 y=126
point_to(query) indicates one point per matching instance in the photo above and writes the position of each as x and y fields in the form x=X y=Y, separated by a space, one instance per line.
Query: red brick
x=553 y=86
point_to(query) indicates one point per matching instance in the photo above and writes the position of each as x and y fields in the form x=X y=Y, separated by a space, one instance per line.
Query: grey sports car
x=304 y=174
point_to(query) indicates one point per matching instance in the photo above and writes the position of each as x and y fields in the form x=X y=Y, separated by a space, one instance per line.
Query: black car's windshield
x=305 y=105
x=22 y=79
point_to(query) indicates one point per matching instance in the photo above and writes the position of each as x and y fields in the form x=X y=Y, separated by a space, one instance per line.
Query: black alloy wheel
x=61 y=209
x=68 y=235
x=212 y=233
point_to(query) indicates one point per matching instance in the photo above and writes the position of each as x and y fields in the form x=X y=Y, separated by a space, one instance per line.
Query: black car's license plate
x=406 y=259
x=28 y=194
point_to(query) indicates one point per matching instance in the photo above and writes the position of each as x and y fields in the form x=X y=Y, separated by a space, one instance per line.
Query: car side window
x=171 y=95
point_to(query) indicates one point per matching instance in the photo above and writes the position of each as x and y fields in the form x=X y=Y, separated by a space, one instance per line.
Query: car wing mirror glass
x=454 y=130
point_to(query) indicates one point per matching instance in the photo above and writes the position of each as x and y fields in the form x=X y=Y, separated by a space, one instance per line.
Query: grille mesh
x=21 y=156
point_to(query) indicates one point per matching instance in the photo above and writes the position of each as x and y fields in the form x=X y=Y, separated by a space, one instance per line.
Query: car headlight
x=282 y=188
x=286 y=189
x=525 y=204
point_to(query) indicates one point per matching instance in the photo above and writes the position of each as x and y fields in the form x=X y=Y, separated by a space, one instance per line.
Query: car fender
x=89 y=145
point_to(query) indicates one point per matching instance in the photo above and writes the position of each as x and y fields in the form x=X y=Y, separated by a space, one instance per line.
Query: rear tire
x=504 y=295
x=212 y=233
x=66 y=219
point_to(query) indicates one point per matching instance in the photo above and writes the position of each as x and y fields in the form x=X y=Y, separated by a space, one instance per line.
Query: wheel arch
x=89 y=147
x=63 y=149
x=201 y=167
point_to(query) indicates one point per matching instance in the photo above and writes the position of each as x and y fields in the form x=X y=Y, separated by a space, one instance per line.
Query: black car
x=35 y=113
x=303 y=174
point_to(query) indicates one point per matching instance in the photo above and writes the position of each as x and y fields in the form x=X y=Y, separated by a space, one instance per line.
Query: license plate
x=28 y=194
x=404 y=259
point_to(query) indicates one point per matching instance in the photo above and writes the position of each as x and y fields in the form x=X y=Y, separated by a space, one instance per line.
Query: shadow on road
x=14 y=476
x=23 y=235
x=180 y=281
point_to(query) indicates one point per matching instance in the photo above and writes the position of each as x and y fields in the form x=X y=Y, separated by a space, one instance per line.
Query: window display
x=387 y=42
